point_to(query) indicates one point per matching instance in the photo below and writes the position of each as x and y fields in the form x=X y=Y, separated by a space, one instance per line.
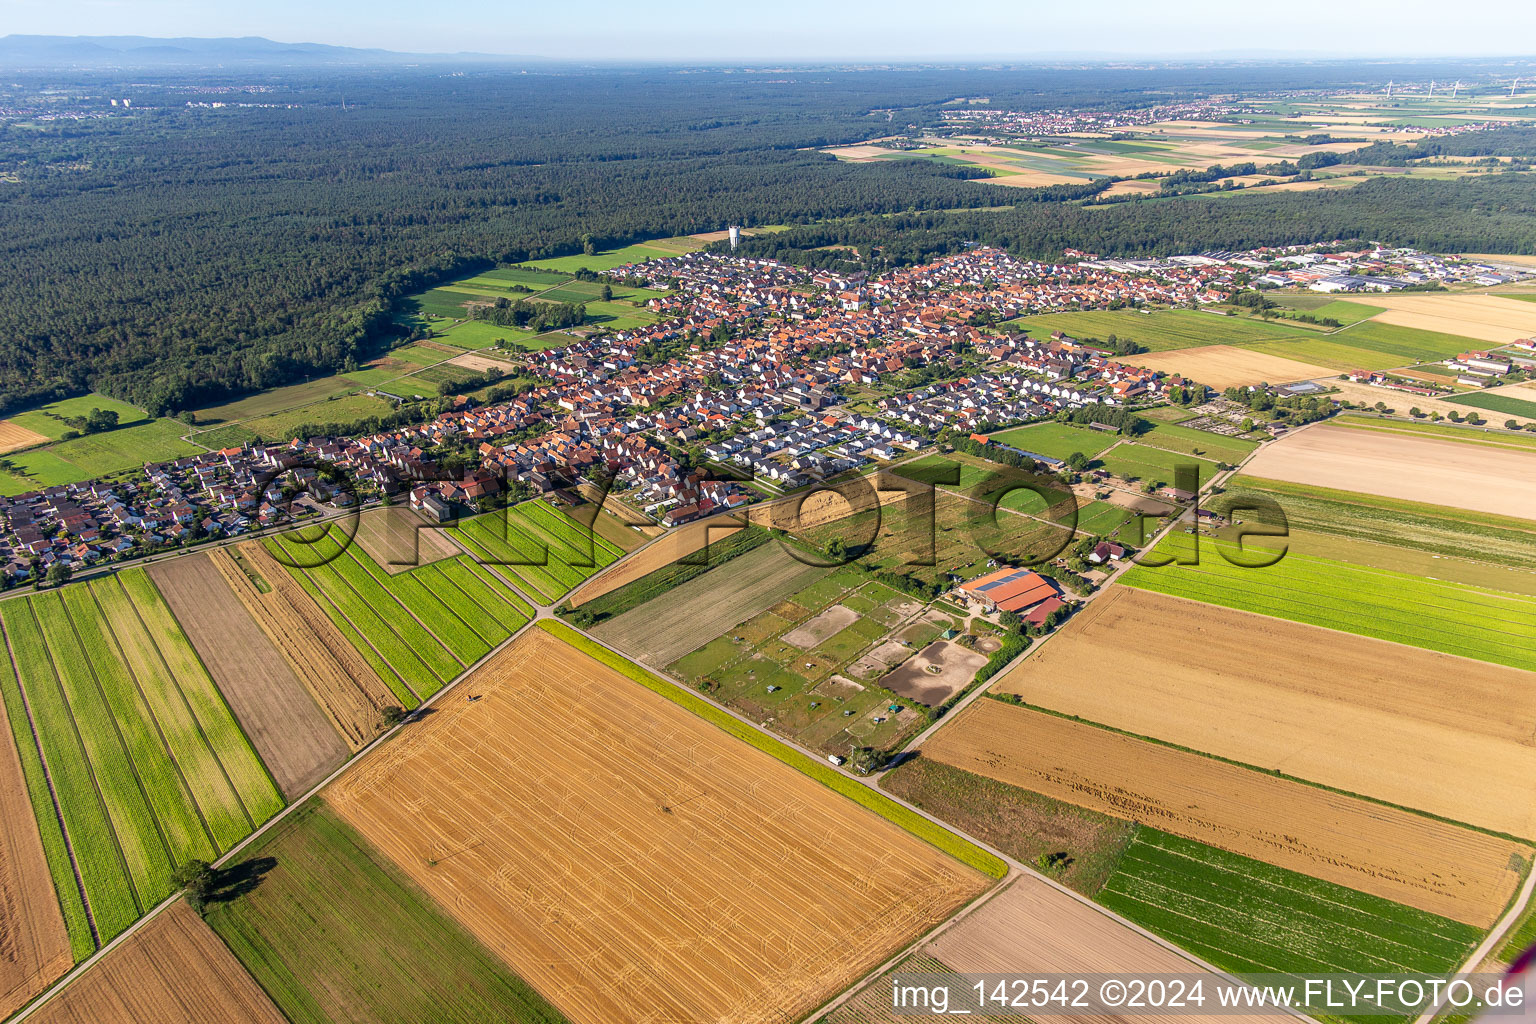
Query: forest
x=179 y=255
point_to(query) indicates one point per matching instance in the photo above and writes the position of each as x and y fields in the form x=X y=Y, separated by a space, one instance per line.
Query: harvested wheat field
x=1432 y=865
x=1453 y=737
x=13 y=436
x=1353 y=391
x=1489 y=318
x=344 y=685
x=399 y=540
x=1025 y=179
x=1480 y=478
x=34 y=947
x=1032 y=928
x=480 y=363
x=173 y=970
x=1224 y=366
x=667 y=627
x=293 y=736
x=633 y=862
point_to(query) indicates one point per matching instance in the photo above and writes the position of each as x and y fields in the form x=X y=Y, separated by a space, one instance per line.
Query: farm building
x=1009 y=589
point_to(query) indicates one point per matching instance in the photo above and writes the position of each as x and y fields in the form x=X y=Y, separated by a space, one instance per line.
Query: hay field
x=632 y=861
x=34 y=946
x=291 y=733
x=172 y=971
x=1432 y=865
x=1225 y=366
x=1415 y=728
x=1490 y=318
x=13 y=436
x=1032 y=927
x=664 y=629
x=1397 y=465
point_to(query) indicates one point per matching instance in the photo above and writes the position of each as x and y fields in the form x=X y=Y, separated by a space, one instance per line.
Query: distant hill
x=23 y=51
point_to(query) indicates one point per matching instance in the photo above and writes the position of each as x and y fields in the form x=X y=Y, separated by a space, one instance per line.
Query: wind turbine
x=1431 y=88
x=1389 y=90
x=1512 y=88
x=1456 y=89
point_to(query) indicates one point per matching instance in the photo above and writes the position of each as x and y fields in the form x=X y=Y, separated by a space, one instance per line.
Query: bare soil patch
x=1225 y=366
x=1489 y=318
x=935 y=673
x=633 y=862
x=400 y=540
x=290 y=732
x=1402 y=401
x=174 y=970
x=1412 y=727
x=1481 y=478
x=1433 y=865
x=480 y=363
x=816 y=631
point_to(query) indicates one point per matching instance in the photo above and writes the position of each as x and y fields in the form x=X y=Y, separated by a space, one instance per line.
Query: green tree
x=59 y=574
x=199 y=879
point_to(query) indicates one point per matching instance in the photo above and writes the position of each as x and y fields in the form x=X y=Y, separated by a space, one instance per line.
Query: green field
x=96 y=455
x=420 y=628
x=1100 y=518
x=274 y=401
x=1436 y=529
x=1161 y=331
x=1138 y=462
x=1245 y=916
x=659 y=581
x=1202 y=443
x=149 y=765
x=1369 y=345
x=333 y=932
x=545 y=551
x=48 y=420
x=280 y=426
x=1509 y=405
x=1438 y=616
x=603 y=261
x=478 y=334
x=1056 y=440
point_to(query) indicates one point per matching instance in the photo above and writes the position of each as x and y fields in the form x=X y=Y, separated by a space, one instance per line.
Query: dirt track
x=1438 y=867
x=34 y=947
x=1479 y=478
x=633 y=862
x=174 y=970
x=1408 y=726
x=292 y=735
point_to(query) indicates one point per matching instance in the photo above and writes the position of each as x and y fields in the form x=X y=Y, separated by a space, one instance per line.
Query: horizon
x=900 y=32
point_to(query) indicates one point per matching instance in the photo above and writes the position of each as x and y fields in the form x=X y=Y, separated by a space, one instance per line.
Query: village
x=759 y=379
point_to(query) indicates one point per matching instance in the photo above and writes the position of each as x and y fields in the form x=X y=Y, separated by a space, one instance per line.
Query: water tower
x=735 y=233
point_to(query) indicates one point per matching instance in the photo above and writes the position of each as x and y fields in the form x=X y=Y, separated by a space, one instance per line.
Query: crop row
x=148 y=764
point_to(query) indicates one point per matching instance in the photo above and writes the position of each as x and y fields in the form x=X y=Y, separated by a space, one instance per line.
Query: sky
x=735 y=31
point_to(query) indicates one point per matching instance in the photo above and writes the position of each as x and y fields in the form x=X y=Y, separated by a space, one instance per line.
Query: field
x=1509 y=404
x=1407 y=858
x=36 y=946
x=1202 y=443
x=398 y=539
x=1056 y=440
x=280 y=426
x=1487 y=318
x=95 y=455
x=606 y=260
x=567 y=792
x=293 y=736
x=1223 y=366
x=1161 y=331
x=48 y=420
x=1500 y=541
x=1485 y=435
x=545 y=551
x=341 y=681
x=416 y=629
x=13 y=436
x=173 y=971
x=1485 y=625
x=1403 y=725
x=1396 y=465
x=1254 y=918
x=662 y=630
x=1033 y=928
x=334 y=932
x=1131 y=460
x=149 y=766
